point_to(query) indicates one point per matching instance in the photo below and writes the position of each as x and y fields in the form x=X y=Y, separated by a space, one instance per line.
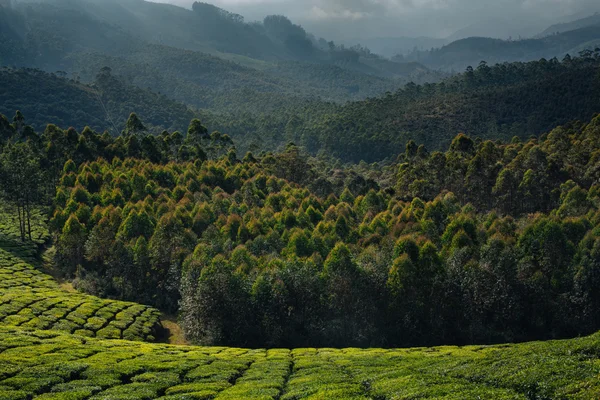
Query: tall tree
x=21 y=179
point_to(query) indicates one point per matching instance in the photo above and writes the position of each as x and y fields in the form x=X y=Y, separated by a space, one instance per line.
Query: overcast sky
x=338 y=19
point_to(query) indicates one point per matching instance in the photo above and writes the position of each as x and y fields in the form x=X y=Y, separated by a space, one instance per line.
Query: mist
x=344 y=20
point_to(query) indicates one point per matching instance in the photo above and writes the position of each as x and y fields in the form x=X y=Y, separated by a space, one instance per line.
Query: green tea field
x=55 y=365
x=30 y=298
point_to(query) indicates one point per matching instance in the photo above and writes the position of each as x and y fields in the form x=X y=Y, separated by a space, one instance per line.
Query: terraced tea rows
x=29 y=298
x=54 y=365
x=32 y=299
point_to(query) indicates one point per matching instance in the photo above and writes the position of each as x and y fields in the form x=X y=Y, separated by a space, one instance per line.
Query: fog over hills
x=343 y=19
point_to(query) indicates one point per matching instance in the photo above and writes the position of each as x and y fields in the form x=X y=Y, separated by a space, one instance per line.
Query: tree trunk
x=29 y=222
x=21 y=223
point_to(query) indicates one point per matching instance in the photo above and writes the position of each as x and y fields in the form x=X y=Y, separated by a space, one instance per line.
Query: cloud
x=318 y=13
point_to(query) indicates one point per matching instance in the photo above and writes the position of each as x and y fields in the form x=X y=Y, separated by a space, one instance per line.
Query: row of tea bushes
x=32 y=299
x=54 y=365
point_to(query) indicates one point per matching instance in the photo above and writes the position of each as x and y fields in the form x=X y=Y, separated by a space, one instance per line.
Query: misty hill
x=592 y=20
x=209 y=82
x=204 y=57
x=498 y=28
x=462 y=53
x=47 y=98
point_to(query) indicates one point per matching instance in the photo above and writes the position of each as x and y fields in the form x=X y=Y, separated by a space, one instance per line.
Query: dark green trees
x=486 y=242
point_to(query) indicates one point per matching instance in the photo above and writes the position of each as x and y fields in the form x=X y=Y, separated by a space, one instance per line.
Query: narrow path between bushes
x=174 y=334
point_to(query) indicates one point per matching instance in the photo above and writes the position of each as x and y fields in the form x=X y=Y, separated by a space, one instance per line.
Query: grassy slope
x=54 y=365
x=43 y=364
x=30 y=298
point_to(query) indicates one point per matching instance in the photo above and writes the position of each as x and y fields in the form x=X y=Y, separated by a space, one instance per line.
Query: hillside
x=55 y=364
x=106 y=104
x=591 y=20
x=498 y=102
x=291 y=260
x=37 y=364
x=459 y=54
x=193 y=206
x=50 y=99
x=50 y=365
x=211 y=83
x=284 y=250
x=204 y=57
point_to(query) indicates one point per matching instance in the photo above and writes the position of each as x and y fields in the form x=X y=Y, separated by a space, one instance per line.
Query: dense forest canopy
x=489 y=102
x=484 y=242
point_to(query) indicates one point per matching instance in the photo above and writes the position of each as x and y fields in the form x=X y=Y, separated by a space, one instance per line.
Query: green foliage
x=31 y=299
x=52 y=365
x=507 y=100
x=106 y=106
x=254 y=253
x=519 y=99
x=516 y=178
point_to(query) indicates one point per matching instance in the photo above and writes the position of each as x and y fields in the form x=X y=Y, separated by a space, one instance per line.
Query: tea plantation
x=55 y=365
x=54 y=345
x=32 y=299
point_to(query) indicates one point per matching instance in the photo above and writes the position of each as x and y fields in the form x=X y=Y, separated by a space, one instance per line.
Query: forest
x=485 y=242
x=490 y=102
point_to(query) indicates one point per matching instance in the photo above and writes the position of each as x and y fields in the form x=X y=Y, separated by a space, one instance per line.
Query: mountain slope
x=207 y=48
x=518 y=99
x=46 y=98
x=470 y=51
x=491 y=102
x=592 y=20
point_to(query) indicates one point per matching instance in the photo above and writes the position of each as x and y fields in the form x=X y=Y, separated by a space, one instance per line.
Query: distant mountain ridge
x=207 y=57
x=592 y=20
x=392 y=46
x=456 y=56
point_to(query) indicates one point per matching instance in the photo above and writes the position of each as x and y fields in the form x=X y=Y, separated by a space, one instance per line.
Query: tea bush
x=32 y=299
x=38 y=364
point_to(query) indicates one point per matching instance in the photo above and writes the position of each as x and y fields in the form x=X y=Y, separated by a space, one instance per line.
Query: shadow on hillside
x=37 y=255
x=28 y=251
